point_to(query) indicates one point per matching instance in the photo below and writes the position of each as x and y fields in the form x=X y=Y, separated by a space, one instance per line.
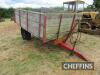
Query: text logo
x=78 y=65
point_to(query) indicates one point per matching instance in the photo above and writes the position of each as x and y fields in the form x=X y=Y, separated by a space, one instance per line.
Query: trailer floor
x=18 y=57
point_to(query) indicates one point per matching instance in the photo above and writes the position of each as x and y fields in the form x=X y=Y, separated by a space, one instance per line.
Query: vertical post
x=83 y=6
x=76 y=6
x=59 y=26
x=44 y=29
x=72 y=7
x=27 y=20
x=68 y=7
x=14 y=16
x=39 y=29
x=63 y=6
x=20 y=18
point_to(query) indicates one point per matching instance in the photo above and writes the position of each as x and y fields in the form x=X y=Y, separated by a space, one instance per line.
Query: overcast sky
x=35 y=3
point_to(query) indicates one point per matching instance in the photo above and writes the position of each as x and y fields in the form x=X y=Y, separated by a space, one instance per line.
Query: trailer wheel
x=25 y=34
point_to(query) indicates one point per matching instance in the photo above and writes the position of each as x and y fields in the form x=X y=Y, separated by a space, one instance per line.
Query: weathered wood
x=52 y=24
x=23 y=16
x=17 y=16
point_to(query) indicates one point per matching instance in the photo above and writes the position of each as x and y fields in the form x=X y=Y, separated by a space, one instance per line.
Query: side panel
x=23 y=16
x=45 y=26
x=53 y=21
x=32 y=22
x=41 y=26
x=17 y=16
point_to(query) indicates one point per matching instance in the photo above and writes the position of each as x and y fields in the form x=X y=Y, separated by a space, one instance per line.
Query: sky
x=35 y=3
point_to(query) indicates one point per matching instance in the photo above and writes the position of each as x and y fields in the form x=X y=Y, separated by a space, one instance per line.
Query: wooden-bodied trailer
x=56 y=28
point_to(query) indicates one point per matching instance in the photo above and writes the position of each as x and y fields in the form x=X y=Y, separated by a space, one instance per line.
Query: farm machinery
x=90 y=23
x=51 y=27
x=90 y=20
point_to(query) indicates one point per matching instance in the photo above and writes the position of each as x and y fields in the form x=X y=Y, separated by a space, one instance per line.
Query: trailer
x=52 y=27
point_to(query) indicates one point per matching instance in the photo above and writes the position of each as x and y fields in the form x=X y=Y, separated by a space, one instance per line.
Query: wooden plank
x=17 y=16
x=23 y=15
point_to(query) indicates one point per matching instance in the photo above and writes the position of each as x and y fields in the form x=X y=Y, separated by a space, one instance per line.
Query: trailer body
x=56 y=28
x=44 y=25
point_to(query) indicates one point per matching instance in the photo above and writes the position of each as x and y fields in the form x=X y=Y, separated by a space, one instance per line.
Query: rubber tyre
x=25 y=34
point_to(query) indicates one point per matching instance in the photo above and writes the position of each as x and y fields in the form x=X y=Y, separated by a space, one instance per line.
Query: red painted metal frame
x=68 y=47
x=61 y=43
x=71 y=28
x=65 y=45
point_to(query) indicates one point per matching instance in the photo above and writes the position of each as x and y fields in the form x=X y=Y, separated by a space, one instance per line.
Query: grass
x=19 y=57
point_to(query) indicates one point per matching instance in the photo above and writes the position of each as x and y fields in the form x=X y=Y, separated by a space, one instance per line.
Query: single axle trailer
x=55 y=28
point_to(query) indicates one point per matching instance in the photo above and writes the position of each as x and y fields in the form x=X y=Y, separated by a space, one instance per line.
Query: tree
x=2 y=11
x=11 y=12
x=6 y=13
x=96 y=4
